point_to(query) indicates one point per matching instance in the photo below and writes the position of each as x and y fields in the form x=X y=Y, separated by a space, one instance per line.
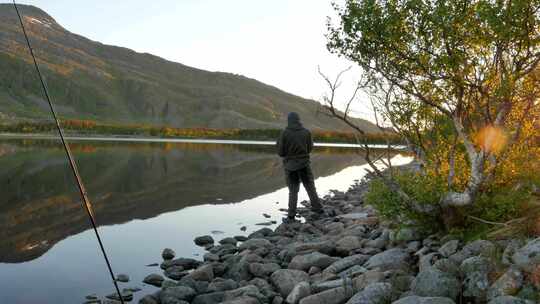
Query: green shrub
x=425 y=190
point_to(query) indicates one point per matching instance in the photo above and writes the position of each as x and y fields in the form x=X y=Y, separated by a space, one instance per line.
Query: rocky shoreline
x=349 y=256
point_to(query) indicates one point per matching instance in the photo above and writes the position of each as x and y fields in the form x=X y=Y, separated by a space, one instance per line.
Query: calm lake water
x=146 y=196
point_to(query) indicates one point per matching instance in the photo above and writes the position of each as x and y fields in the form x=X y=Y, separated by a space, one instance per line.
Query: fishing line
x=73 y=165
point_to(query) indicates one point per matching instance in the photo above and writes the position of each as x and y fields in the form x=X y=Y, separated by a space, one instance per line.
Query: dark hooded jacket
x=294 y=144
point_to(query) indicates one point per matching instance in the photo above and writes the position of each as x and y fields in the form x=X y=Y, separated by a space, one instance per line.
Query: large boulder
x=423 y=300
x=285 y=279
x=376 y=293
x=300 y=291
x=528 y=257
x=317 y=259
x=435 y=283
x=395 y=258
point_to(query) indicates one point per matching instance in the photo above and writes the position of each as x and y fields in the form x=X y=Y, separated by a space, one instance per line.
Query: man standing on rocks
x=294 y=145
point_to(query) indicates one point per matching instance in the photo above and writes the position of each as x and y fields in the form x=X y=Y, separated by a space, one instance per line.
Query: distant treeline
x=89 y=127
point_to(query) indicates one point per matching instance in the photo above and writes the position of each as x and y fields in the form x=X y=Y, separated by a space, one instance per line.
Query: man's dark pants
x=294 y=178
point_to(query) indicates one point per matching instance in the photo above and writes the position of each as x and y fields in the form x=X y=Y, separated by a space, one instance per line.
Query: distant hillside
x=90 y=80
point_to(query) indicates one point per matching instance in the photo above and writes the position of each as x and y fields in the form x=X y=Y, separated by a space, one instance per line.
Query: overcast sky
x=279 y=42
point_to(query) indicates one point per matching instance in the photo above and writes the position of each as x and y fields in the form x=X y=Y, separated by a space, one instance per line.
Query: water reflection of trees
x=126 y=181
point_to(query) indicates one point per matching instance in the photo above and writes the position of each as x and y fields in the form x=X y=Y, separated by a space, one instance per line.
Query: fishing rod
x=84 y=195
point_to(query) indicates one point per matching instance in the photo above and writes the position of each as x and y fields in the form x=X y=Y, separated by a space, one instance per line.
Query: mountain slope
x=90 y=80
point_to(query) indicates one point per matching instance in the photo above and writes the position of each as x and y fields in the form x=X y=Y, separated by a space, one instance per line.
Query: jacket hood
x=293 y=121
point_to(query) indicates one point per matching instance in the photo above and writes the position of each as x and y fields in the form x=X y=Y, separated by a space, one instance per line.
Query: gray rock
x=423 y=300
x=253 y=244
x=317 y=259
x=148 y=299
x=352 y=271
x=237 y=269
x=176 y=293
x=169 y=283
x=527 y=257
x=220 y=284
x=300 y=291
x=168 y=254
x=475 y=271
x=332 y=296
x=203 y=273
x=185 y=263
x=261 y=233
x=210 y=257
x=479 y=247
x=435 y=283
x=175 y=272
x=401 y=283
x=228 y=240
x=285 y=279
x=314 y=270
x=354 y=216
x=347 y=244
x=264 y=287
x=427 y=260
x=376 y=293
x=204 y=240
x=326 y=285
x=243 y=300
x=277 y=300
x=449 y=248
x=368 y=278
x=240 y=238
x=154 y=279
x=263 y=270
x=345 y=263
x=245 y=291
x=447 y=265
x=209 y=298
x=395 y=258
x=198 y=286
x=127 y=295
x=381 y=241
x=509 y=300
x=122 y=278
x=507 y=285
x=326 y=247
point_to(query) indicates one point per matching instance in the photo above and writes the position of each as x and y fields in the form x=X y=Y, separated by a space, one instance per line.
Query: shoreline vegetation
x=89 y=127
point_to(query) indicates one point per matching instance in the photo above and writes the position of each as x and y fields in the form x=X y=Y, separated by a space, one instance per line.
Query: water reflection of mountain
x=39 y=205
